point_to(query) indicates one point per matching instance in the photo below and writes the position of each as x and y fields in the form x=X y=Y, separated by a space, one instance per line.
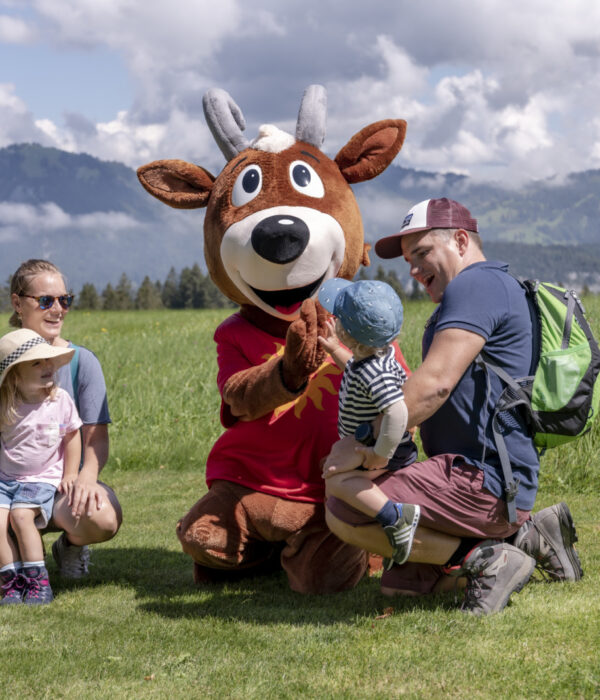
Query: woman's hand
x=85 y=495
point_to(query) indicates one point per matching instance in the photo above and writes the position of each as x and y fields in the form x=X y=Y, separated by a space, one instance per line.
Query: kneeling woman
x=92 y=512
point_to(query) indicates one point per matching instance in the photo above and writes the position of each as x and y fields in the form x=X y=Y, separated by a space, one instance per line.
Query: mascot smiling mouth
x=288 y=301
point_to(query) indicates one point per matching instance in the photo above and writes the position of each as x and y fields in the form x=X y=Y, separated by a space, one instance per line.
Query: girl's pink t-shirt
x=32 y=449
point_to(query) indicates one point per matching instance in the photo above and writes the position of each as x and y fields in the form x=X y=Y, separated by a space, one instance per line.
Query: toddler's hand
x=67 y=485
x=329 y=342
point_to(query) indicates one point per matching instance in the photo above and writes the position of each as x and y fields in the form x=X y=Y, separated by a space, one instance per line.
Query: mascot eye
x=247 y=186
x=305 y=179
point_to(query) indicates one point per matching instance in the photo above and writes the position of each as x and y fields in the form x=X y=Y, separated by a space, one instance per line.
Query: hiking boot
x=494 y=572
x=72 y=560
x=13 y=587
x=38 y=591
x=549 y=537
x=401 y=534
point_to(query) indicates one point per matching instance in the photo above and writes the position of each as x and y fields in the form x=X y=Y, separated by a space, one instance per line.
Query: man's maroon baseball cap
x=428 y=214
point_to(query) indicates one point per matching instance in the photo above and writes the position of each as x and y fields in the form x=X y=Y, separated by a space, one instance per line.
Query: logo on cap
x=406 y=221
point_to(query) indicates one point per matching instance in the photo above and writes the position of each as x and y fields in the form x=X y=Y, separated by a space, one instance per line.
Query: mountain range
x=93 y=219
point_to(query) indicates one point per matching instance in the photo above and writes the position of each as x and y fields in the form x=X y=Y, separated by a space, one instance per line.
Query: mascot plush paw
x=281 y=218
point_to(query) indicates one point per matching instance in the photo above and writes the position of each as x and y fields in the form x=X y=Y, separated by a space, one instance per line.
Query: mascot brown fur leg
x=234 y=529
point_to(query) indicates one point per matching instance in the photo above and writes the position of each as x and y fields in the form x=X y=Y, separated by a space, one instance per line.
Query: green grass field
x=138 y=628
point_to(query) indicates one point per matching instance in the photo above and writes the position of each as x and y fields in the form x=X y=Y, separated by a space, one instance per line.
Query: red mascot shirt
x=279 y=453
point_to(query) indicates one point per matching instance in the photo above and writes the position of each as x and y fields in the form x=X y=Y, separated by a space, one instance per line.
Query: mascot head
x=281 y=217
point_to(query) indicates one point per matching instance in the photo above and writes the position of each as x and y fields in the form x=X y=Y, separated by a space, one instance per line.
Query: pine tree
x=109 y=298
x=417 y=292
x=170 y=291
x=5 y=302
x=393 y=280
x=124 y=294
x=88 y=298
x=390 y=277
x=148 y=296
x=215 y=299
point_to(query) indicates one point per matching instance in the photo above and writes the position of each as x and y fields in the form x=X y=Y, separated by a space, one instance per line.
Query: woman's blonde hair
x=11 y=397
x=21 y=281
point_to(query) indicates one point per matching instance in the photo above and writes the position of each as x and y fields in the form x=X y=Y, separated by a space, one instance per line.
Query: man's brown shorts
x=452 y=500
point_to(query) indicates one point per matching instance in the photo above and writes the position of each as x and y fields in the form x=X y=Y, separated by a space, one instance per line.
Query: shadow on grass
x=163 y=582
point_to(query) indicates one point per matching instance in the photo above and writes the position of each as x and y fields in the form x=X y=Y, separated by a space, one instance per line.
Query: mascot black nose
x=280 y=239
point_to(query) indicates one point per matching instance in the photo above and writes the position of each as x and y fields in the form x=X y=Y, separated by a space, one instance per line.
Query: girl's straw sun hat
x=24 y=345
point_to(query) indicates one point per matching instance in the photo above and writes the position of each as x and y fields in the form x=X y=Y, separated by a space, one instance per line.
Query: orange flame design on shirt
x=318 y=383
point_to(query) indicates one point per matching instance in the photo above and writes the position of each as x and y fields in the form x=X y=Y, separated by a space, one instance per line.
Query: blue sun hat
x=369 y=310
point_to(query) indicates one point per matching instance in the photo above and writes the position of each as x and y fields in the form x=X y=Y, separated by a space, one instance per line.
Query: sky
x=499 y=90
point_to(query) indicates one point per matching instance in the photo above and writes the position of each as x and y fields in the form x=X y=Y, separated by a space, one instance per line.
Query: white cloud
x=16 y=122
x=14 y=30
x=490 y=89
x=25 y=219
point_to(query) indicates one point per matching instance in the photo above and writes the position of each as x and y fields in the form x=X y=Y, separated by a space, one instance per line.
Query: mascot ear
x=369 y=152
x=177 y=183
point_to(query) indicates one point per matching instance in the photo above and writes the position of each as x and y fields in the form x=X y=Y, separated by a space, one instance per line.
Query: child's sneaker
x=38 y=591
x=13 y=587
x=401 y=534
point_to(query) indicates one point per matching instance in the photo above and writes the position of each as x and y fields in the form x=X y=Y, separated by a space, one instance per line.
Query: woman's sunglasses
x=46 y=301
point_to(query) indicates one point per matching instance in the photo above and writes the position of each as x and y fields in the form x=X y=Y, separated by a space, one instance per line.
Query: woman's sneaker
x=13 y=587
x=38 y=591
x=402 y=533
x=72 y=560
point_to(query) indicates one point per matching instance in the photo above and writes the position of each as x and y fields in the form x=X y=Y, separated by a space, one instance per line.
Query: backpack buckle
x=511 y=489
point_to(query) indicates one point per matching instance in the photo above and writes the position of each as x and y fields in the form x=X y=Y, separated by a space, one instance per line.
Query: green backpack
x=560 y=398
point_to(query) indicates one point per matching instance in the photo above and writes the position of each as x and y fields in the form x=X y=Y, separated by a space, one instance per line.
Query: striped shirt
x=368 y=387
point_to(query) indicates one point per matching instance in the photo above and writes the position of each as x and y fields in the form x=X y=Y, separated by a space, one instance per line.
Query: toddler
x=40 y=450
x=368 y=317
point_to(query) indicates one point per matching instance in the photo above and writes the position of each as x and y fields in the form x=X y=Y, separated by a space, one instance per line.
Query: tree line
x=188 y=289
x=192 y=289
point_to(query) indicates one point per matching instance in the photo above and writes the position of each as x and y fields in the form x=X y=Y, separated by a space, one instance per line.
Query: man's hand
x=371 y=460
x=344 y=457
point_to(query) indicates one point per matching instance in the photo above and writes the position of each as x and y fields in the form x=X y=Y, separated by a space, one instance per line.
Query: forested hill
x=77 y=183
x=94 y=219
x=543 y=212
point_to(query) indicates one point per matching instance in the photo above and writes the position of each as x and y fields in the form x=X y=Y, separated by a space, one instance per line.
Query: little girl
x=40 y=449
x=368 y=318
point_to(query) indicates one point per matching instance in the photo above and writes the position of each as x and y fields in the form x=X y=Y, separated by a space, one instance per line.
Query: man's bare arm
x=428 y=387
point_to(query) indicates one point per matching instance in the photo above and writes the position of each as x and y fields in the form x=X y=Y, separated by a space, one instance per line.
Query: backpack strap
x=75 y=375
x=513 y=396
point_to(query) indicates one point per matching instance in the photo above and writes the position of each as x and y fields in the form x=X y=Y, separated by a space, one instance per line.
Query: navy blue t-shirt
x=486 y=300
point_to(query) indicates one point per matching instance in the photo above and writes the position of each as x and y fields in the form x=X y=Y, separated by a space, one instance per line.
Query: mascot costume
x=281 y=218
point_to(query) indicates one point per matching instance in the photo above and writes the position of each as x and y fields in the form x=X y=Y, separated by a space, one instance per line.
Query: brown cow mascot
x=281 y=219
